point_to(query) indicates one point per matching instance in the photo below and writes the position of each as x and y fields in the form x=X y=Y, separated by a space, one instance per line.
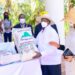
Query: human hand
x=52 y=43
x=68 y=58
x=38 y=54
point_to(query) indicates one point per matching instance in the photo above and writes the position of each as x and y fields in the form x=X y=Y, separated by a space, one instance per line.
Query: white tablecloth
x=9 y=46
x=21 y=68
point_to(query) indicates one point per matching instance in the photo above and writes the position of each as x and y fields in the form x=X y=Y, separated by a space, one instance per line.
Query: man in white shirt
x=48 y=44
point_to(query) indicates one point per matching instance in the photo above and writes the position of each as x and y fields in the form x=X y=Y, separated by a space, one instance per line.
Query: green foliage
x=31 y=9
x=73 y=2
x=8 y=5
x=65 y=6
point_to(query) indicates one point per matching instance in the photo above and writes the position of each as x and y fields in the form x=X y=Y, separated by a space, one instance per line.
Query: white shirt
x=50 y=54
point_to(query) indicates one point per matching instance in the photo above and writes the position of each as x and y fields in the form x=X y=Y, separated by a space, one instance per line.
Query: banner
x=24 y=42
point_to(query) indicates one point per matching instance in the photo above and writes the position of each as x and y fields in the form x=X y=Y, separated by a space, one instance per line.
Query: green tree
x=31 y=8
x=8 y=5
x=73 y=2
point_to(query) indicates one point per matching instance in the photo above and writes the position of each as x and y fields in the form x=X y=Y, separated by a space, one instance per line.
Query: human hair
x=21 y=16
x=6 y=13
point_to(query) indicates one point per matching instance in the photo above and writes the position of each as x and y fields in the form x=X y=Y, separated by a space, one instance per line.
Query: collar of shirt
x=23 y=25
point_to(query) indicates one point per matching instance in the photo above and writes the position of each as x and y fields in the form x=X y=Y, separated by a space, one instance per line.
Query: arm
x=55 y=44
x=10 y=25
x=52 y=42
x=46 y=51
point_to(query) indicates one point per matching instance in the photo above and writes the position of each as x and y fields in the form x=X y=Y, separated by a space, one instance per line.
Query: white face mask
x=44 y=24
x=22 y=21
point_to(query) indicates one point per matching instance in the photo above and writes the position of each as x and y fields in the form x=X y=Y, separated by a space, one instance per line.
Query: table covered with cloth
x=31 y=67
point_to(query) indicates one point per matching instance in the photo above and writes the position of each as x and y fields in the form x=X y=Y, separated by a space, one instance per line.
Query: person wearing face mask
x=41 y=26
x=22 y=24
x=7 y=26
x=47 y=42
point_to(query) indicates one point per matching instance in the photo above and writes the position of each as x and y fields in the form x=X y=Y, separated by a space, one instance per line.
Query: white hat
x=47 y=17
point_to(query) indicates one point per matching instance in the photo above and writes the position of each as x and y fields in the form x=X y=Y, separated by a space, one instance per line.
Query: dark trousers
x=51 y=69
x=7 y=37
